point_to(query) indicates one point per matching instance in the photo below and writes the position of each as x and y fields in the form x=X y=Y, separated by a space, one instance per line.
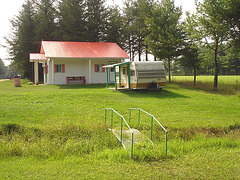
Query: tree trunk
x=216 y=70
x=169 y=71
x=146 y=55
x=195 y=76
x=139 y=50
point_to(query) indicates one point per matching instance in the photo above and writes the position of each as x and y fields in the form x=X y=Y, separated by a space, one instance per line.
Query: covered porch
x=118 y=84
x=37 y=58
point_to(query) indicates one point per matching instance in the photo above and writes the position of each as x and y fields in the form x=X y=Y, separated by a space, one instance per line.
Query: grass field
x=58 y=132
x=226 y=84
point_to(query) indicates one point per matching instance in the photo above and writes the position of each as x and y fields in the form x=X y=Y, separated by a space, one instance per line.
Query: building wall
x=78 y=67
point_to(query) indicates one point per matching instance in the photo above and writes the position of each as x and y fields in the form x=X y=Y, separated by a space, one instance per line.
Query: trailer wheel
x=153 y=85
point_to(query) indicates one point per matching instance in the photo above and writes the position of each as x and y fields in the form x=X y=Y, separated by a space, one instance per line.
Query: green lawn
x=58 y=132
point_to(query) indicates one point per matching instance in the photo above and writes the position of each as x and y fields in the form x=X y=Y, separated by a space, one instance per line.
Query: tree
x=166 y=38
x=212 y=28
x=114 y=26
x=3 y=69
x=129 y=30
x=228 y=13
x=191 y=59
x=231 y=61
x=72 y=20
x=135 y=13
x=207 y=65
x=45 y=20
x=22 y=41
x=96 y=20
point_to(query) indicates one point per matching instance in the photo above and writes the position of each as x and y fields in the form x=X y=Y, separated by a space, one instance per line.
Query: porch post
x=45 y=75
x=53 y=72
x=128 y=72
x=107 y=76
x=119 y=76
x=115 y=78
x=36 y=78
x=90 y=71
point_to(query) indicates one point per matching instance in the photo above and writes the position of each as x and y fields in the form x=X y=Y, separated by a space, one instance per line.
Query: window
x=99 y=68
x=132 y=73
x=59 y=68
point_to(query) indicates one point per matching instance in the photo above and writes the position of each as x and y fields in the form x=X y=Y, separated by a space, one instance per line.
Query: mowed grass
x=58 y=132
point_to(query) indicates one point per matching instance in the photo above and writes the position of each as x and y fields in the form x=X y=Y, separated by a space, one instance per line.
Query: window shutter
x=95 y=67
x=44 y=69
x=55 y=68
x=103 y=69
x=63 y=68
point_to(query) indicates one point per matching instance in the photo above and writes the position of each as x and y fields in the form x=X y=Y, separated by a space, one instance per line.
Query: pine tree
x=45 y=26
x=22 y=40
x=96 y=15
x=3 y=69
x=114 y=26
x=136 y=12
x=72 y=20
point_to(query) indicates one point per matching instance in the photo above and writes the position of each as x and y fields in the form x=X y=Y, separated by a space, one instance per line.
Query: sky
x=10 y=8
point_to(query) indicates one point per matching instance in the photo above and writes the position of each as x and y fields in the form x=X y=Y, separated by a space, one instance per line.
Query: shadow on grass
x=82 y=86
x=223 y=89
x=144 y=93
x=161 y=94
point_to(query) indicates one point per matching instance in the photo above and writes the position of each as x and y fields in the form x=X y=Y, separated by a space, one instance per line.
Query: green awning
x=114 y=65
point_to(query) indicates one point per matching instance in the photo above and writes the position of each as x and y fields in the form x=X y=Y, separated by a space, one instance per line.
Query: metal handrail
x=151 y=123
x=122 y=119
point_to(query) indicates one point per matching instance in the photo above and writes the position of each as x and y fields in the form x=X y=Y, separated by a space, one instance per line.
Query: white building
x=76 y=62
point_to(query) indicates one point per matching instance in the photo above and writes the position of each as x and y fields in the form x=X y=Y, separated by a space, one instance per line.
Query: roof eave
x=88 y=57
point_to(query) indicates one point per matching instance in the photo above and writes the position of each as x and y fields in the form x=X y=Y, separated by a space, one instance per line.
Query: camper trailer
x=138 y=75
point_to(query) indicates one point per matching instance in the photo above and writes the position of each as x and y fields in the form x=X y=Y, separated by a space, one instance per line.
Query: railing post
x=132 y=147
x=166 y=143
x=151 y=127
x=111 y=120
x=138 y=118
x=129 y=115
x=105 y=115
x=121 y=128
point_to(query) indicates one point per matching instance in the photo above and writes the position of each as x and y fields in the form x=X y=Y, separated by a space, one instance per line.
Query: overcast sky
x=10 y=8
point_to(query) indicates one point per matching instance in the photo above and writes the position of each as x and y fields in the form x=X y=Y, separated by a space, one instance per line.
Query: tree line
x=207 y=38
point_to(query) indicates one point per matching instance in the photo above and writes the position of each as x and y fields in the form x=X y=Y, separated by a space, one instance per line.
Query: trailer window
x=132 y=73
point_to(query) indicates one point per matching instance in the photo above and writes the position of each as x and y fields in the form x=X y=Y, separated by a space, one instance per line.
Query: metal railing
x=152 y=117
x=122 y=120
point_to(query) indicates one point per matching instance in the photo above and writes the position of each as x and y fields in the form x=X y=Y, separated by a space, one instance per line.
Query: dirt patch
x=3 y=80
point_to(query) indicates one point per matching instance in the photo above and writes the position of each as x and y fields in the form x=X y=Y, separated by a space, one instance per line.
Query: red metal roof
x=37 y=56
x=64 y=49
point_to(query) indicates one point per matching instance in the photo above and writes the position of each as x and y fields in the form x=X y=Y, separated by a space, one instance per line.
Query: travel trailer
x=138 y=75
